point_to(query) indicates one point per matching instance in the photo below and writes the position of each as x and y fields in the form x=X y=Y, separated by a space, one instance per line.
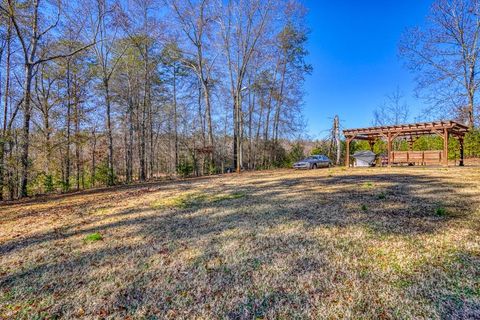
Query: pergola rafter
x=410 y=131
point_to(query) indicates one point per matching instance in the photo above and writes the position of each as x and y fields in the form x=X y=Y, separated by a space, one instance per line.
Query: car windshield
x=311 y=158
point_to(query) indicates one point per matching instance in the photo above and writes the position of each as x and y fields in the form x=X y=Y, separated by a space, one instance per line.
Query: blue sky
x=354 y=52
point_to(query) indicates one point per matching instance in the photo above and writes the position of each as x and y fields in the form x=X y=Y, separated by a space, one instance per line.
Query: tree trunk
x=68 y=119
x=129 y=146
x=279 y=104
x=143 y=129
x=151 y=142
x=175 y=115
x=2 y=163
x=265 y=135
x=94 y=149
x=202 y=125
x=12 y=173
x=3 y=137
x=236 y=164
x=470 y=111
x=276 y=121
x=125 y=145
x=26 y=129
x=106 y=86
x=240 y=130
x=142 y=150
x=48 y=147
x=78 y=163
x=251 y=107
x=257 y=135
x=208 y=116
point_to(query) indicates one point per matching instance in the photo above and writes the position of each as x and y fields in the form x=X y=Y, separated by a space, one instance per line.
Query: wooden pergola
x=410 y=132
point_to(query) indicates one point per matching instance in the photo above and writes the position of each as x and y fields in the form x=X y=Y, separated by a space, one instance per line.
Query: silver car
x=313 y=162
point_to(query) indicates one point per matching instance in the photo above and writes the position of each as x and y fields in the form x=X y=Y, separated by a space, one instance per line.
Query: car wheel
x=314 y=166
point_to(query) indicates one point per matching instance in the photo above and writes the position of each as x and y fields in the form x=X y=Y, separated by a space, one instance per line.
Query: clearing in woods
x=363 y=243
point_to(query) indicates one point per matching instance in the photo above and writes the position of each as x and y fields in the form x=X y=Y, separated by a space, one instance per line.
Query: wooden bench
x=431 y=157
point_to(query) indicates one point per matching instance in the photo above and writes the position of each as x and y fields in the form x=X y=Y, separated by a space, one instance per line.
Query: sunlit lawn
x=333 y=243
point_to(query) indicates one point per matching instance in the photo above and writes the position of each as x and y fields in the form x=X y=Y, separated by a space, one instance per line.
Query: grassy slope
x=366 y=243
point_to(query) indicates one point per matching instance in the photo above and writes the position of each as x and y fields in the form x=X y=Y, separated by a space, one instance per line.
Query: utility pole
x=336 y=131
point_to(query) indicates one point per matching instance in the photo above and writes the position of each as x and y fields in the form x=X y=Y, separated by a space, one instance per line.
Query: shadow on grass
x=233 y=288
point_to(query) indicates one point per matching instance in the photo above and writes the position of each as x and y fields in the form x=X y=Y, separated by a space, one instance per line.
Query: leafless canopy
x=444 y=57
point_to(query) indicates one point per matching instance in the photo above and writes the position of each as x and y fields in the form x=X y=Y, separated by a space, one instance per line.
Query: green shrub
x=441 y=211
x=212 y=169
x=435 y=142
x=41 y=183
x=379 y=147
x=64 y=186
x=185 y=168
x=368 y=185
x=296 y=153
x=93 y=237
x=279 y=156
x=48 y=183
x=472 y=143
x=102 y=174
x=316 y=151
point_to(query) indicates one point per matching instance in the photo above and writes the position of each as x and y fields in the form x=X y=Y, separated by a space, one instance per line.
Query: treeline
x=99 y=92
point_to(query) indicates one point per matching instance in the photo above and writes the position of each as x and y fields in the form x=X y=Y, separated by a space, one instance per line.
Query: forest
x=100 y=92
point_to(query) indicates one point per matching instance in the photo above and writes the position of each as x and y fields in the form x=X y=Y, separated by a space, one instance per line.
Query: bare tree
x=44 y=100
x=105 y=28
x=243 y=23
x=30 y=34
x=196 y=20
x=444 y=56
x=175 y=70
x=394 y=110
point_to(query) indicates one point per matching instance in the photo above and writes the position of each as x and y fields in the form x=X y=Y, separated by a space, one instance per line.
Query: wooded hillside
x=97 y=92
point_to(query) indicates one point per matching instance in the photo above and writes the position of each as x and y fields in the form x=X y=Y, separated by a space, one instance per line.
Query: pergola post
x=389 y=149
x=347 y=151
x=445 y=147
x=371 y=143
x=460 y=140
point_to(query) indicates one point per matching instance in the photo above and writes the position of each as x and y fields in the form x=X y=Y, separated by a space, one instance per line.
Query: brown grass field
x=379 y=243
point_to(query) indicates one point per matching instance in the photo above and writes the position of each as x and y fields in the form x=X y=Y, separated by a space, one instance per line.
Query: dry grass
x=367 y=243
